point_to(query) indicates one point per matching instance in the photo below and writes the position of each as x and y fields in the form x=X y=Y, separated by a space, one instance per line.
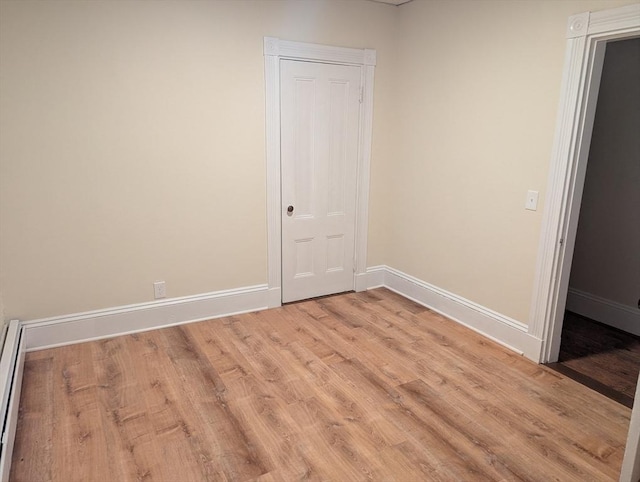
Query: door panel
x=320 y=106
x=304 y=137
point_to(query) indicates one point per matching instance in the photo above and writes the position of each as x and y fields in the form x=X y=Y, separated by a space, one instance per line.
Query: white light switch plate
x=532 y=200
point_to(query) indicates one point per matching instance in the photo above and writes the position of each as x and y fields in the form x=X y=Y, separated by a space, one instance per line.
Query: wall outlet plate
x=159 y=290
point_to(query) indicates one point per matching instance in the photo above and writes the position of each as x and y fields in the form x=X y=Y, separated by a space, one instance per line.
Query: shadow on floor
x=601 y=357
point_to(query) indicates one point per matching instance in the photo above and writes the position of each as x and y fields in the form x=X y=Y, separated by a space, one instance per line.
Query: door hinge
x=361 y=94
x=561 y=241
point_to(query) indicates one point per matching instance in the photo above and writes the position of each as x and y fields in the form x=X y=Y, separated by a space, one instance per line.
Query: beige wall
x=132 y=144
x=133 y=138
x=606 y=260
x=478 y=85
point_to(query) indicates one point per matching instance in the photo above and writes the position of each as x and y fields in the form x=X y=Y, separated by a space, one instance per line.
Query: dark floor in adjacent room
x=603 y=358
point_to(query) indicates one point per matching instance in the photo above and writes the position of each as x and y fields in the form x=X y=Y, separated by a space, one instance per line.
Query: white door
x=320 y=109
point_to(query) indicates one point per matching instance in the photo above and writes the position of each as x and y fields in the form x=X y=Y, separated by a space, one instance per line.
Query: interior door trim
x=587 y=35
x=276 y=49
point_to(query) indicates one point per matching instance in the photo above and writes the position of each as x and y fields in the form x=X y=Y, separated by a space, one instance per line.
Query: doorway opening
x=587 y=37
x=600 y=342
x=275 y=51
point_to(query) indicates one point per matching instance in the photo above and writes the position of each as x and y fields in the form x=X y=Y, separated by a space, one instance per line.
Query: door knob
x=290 y=209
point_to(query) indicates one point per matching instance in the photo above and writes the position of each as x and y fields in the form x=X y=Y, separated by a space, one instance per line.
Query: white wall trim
x=274 y=50
x=621 y=21
x=94 y=325
x=630 y=470
x=491 y=324
x=605 y=311
x=325 y=53
x=587 y=35
x=11 y=370
x=375 y=277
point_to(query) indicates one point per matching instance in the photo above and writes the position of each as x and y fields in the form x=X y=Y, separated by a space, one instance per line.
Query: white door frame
x=274 y=50
x=587 y=35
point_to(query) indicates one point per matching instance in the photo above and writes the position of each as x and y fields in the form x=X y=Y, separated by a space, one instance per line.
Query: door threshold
x=595 y=385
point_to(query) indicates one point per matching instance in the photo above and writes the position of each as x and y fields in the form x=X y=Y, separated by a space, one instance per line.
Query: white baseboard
x=81 y=327
x=373 y=278
x=93 y=325
x=495 y=326
x=274 y=297
x=605 y=311
x=361 y=282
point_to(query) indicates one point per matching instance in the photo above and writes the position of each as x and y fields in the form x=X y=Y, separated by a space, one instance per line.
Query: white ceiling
x=392 y=2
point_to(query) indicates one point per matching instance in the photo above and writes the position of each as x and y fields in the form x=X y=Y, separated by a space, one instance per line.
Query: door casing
x=274 y=50
x=587 y=35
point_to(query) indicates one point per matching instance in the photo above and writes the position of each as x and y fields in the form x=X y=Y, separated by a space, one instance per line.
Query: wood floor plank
x=292 y=327
x=461 y=354
x=124 y=418
x=77 y=416
x=187 y=455
x=478 y=394
x=407 y=461
x=33 y=455
x=361 y=386
x=352 y=335
x=213 y=411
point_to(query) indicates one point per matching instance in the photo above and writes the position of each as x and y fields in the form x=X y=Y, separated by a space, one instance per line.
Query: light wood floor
x=366 y=386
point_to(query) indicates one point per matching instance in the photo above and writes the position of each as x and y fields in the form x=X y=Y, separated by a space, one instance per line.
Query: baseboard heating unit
x=11 y=368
